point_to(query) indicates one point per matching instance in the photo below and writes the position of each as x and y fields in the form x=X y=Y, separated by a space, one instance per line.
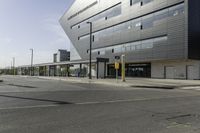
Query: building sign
x=84 y=9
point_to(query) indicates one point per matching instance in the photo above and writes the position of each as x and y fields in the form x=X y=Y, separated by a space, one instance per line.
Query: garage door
x=190 y=72
x=169 y=72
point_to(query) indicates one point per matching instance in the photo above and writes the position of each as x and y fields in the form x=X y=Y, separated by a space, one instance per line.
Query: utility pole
x=11 y=68
x=90 y=65
x=13 y=65
x=31 y=71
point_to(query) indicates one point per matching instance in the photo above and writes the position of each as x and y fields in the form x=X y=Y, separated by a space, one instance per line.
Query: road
x=31 y=105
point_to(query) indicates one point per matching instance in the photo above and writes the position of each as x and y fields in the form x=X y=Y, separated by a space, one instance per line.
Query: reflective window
x=132 y=46
x=144 y=22
x=83 y=37
x=137 y=24
x=141 y=2
x=133 y=2
x=147 y=22
x=161 y=15
x=176 y=10
x=118 y=49
x=144 y=2
x=110 y=13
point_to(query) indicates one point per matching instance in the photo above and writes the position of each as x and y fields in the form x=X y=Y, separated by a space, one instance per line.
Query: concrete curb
x=132 y=84
x=88 y=81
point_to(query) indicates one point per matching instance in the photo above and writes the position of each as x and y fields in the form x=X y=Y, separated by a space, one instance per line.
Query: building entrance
x=132 y=70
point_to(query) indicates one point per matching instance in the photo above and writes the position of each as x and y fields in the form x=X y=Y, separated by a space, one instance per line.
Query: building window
x=93 y=38
x=141 y=2
x=144 y=2
x=107 y=14
x=176 y=10
x=133 y=2
x=147 y=22
x=138 y=24
x=132 y=46
x=113 y=50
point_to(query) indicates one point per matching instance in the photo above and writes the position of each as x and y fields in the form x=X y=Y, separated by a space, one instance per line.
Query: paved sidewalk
x=136 y=82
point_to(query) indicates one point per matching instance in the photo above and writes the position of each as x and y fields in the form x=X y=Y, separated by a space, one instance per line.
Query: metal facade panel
x=174 y=28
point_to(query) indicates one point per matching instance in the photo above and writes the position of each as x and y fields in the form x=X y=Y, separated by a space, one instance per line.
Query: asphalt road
x=31 y=105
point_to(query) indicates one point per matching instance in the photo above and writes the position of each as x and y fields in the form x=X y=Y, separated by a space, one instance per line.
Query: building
x=61 y=55
x=158 y=37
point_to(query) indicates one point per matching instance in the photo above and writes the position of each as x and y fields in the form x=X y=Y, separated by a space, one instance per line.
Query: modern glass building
x=160 y=38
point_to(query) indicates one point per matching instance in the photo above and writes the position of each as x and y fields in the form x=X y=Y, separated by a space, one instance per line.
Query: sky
x=26 y=24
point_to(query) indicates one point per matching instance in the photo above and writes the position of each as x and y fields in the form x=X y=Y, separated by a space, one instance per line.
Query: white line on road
x=29 y=107
x=114 y=101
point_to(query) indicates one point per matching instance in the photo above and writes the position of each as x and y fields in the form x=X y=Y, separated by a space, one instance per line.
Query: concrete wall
x=180 y=69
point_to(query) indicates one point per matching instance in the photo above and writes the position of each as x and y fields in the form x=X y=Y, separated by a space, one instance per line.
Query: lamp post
x=90 y=65
x=31 y=72
x=13 y=65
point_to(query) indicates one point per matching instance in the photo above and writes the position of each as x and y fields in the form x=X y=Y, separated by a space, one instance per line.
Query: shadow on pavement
x=24 y=86
x=37 y=99
x=157 y=87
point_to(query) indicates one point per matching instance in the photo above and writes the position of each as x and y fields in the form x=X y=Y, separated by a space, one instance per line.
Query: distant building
x=61 y=55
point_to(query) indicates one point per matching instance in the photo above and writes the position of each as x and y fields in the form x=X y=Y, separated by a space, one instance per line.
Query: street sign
x=117 y=65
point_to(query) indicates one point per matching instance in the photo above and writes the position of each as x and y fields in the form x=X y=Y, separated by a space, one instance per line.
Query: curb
x=89 y=81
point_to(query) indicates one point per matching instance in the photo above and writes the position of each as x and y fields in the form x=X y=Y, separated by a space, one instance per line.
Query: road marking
x=90 y=103
x=30 y=107
x=115 y=101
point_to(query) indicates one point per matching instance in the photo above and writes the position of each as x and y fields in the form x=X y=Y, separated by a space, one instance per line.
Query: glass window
x=176 y=10
x=159 y=39
x=144 y=2
x=138 y=47
x=113 y=12
x=128 y=47
x=160 y=15
x=102 y=52
x=117 y=49
x=133 y=2
x=137 y=24
x=117 y=28
x=146 y=44
x=147 y=22
x=96 y=36
x=84 y=37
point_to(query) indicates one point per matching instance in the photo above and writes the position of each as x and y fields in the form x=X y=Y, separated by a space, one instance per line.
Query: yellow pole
x=123 y=68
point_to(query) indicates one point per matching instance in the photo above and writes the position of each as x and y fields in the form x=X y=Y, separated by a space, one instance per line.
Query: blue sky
x=26 y=24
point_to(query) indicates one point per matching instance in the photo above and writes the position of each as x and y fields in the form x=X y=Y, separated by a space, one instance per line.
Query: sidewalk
x=135 y=82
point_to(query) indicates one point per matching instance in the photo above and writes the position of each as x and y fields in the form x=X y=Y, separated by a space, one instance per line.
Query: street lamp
x=90 y=65
x=31 y=72
x=13 y=65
